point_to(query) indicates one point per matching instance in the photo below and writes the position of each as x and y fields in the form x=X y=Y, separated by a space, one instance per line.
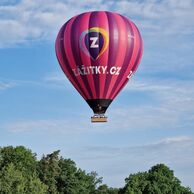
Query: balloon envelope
x=98 y=52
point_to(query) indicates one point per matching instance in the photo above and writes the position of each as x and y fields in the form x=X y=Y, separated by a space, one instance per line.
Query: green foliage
x=159 y=179
x=62 y=176
x=49 y=170
x=22 y=173
x=18 y=172
x=67 y=180
x=22 y=158
x=13 y=181
x=104 y=189
x=35 y=186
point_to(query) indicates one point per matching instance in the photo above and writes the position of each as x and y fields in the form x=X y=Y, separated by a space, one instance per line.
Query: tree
x=104 y=189
x=67 y=181
x=49 y=170
x=22 y=158
x=63 y=177
x=18 y=174
x=22 y=173
x=87 y=182
x=159 y=179
x=73 y=180
x=13 y=181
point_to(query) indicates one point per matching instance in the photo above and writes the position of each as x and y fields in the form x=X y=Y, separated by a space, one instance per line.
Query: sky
x=150 y=122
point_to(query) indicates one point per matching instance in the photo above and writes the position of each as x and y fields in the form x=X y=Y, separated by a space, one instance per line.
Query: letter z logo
x=94 y=42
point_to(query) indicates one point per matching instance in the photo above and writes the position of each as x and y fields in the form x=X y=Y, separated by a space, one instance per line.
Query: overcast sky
x=150 y=122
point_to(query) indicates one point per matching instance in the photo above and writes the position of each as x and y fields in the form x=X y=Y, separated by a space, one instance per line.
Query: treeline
x=22 y=173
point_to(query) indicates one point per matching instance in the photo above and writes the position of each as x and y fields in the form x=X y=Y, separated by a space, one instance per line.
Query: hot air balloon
x=99 y=51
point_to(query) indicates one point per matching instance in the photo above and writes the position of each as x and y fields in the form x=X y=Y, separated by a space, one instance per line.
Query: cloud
x=56 y=77
x=175 y=142
x=161 y=105
x=168 y=88
x=164 y=17
x=51 y=80
x=57 y=80
x=44 y=125
x=60 y=126
x=175 y=151
x=29 y=20
x=177 y=139
x=7 y=84
x=171 y=92
x=9 y=2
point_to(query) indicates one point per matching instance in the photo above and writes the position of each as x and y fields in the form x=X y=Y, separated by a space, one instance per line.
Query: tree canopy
x=158 y=180
x=22 y=173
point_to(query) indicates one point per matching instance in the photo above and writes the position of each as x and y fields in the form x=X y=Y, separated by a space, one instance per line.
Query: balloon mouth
x=99 y=106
